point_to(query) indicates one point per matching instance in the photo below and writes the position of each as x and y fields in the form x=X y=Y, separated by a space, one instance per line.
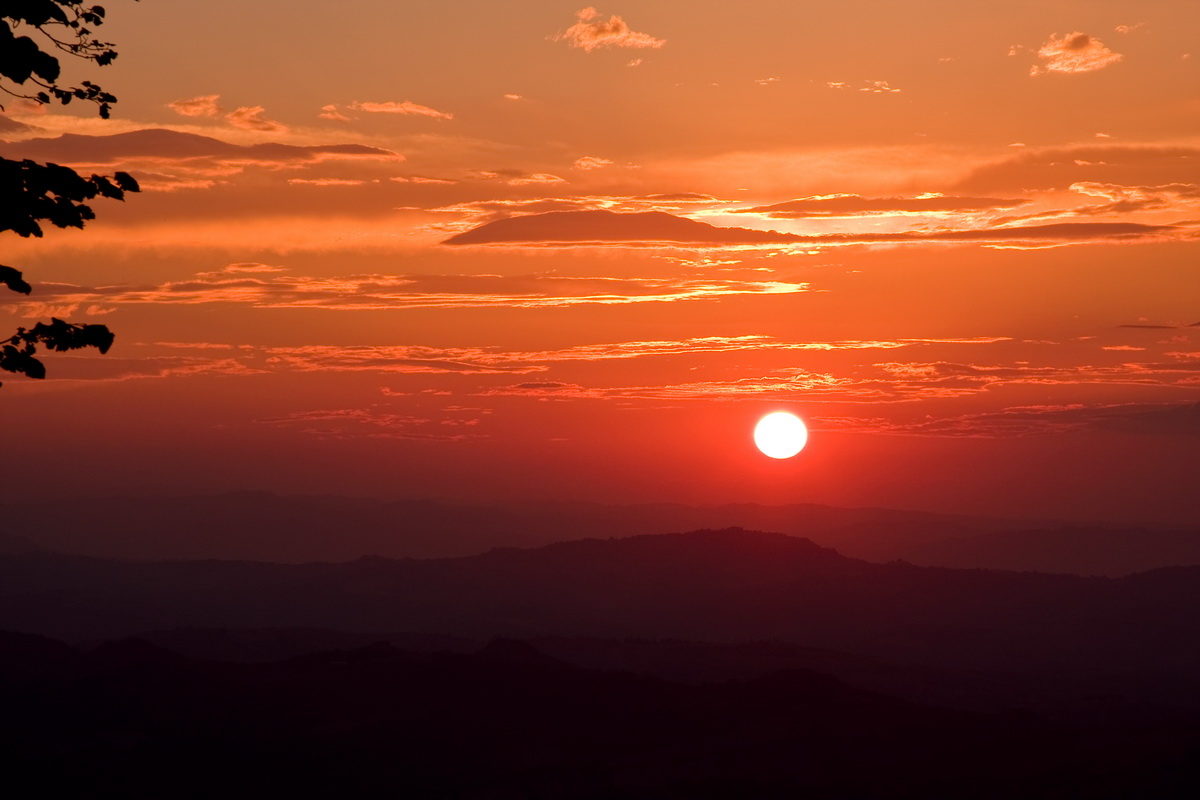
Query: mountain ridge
x=718 y=586
x=263 y=526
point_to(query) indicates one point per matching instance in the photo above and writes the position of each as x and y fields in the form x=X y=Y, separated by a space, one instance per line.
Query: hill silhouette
x=509 y=721
x=718 y=586
x=265 y=527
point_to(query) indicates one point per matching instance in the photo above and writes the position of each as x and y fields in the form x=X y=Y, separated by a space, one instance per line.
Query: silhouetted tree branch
x=62 y=23
x=30 y=192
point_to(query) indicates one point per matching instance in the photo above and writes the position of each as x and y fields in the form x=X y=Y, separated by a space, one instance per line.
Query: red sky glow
x=547 y=251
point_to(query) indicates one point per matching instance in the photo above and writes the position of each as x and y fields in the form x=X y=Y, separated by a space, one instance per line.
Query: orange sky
x=515 y=251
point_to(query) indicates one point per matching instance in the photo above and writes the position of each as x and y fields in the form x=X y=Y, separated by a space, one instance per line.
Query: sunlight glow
x=780 y=435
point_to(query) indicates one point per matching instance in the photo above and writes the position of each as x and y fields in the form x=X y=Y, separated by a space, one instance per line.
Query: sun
x=780 y=435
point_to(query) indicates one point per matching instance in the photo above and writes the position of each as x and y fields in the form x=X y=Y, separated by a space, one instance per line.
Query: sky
x=541 y=251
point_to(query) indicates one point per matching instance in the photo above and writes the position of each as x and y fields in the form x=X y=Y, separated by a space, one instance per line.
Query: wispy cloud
x=1073 y=53
x=879 y=87
x=960 y=375
x=185 y=359
x=1053 y=167
x=203 y=106
x=326 y=181
x=331 y=112
x=566 y=228
x=359 y=292
x=592 y=31
x=591 y=162
x=888 y=382
x=850 y=205
x=407 y=108
x=872 y=87
x=252 y=118
x=173 y=147
x=1162 y=419
x=378 y=423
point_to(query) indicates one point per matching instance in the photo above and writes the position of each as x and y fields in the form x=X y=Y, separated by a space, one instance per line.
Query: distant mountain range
x=710 y=664
x=717 y=586
x=266 y=527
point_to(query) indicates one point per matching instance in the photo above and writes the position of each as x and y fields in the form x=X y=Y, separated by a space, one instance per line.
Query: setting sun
x=780 y=435
x=416 y=360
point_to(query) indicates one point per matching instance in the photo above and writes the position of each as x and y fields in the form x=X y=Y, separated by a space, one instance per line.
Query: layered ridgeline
x=261 y=526
x=719 y=586
x=725 y=663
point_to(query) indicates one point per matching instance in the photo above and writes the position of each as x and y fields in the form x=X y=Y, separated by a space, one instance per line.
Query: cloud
x=878 y=87
x=407 y=108
x=1119 y=163
x=361 y=292
x=534 y=179
x=785 y=384
x=172 y=160
x=1176 y=197
x=480 y=211
x=1073 y=53
x=892 y=382
x=608 y=226
x=331 y=112
x=203 y=106
x=601 y=226
x=493 y=360
x=591 y=162
x=1159 y=327
x=376 y=423
x=326 y=181
x=251 y=118
x=11 y=126
x=752 y=343
x=965 y=376
x=838 y=205
x=1125 y=199
x=402 y=359
x=217 y=358
x=874 y=87
x=158 y=182
x=591 y=32
x=253 y=267
x=1159 y=419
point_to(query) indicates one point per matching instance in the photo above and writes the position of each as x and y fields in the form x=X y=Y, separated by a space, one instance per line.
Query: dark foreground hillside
x=133 y=720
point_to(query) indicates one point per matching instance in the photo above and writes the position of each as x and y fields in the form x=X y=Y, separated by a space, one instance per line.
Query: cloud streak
x=184 y=150
x=253 y=118
x=183 y=359
x=365 y=292
x=601 y=226
x=852 y=205
x=1155 y=419
x=376 y=423
x=405 y=108
x=203 y=106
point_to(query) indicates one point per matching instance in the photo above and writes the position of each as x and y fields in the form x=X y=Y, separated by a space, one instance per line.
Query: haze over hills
x=709 y=664
x=296 y=529
x=718 y=586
